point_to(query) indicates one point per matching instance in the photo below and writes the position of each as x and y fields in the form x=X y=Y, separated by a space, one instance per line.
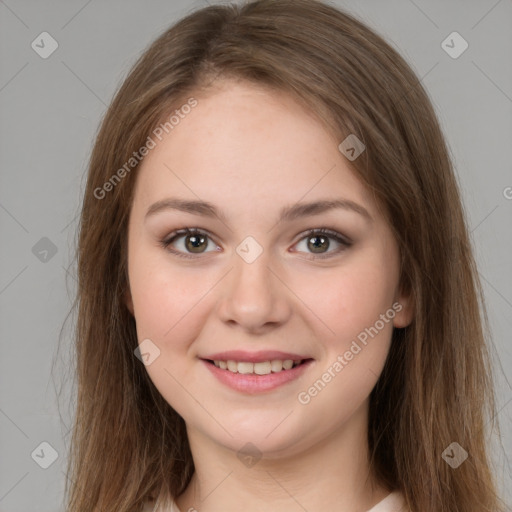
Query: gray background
x=50 y=111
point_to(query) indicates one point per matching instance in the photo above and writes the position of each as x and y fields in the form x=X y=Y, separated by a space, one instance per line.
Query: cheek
x=167 y=300
x=354 y=296
x=350 y=302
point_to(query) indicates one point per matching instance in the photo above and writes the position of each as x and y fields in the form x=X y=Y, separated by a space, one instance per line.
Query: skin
x=250 y=152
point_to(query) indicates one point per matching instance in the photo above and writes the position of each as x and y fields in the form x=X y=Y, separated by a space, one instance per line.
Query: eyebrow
x=287 y=214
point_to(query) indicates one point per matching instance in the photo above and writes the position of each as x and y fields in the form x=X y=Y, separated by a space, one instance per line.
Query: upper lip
x=254 y=357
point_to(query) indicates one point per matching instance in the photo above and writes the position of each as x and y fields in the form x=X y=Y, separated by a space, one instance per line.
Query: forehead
x=241 y=142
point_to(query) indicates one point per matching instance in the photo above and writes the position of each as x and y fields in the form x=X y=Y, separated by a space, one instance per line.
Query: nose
x=253 y=295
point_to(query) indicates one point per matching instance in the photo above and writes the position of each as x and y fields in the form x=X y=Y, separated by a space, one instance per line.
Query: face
x=250 y=280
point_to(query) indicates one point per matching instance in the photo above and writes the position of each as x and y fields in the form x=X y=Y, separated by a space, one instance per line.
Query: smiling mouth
x=260 y=368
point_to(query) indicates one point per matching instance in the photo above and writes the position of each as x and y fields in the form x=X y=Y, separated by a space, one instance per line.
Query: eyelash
x=165 y=243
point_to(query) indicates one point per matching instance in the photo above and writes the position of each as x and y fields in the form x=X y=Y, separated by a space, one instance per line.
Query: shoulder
x=393 y=502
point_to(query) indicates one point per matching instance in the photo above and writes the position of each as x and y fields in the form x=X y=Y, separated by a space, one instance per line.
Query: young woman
x=278 y=305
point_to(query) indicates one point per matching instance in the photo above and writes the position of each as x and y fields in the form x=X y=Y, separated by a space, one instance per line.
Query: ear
x=405 y=307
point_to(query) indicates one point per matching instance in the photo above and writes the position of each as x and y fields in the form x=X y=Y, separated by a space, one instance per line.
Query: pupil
x=315 y=245
x=196 y=241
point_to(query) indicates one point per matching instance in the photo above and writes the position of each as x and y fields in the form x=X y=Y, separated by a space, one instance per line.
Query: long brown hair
x=128 y=443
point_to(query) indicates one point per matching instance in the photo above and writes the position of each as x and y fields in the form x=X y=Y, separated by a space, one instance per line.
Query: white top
x=393 y=502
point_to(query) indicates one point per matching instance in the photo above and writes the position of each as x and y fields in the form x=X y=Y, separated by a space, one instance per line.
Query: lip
x=253 y=384
x=254 y=357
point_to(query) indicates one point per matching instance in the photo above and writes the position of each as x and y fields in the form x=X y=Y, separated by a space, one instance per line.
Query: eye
x=317 y=240
x=195 y=241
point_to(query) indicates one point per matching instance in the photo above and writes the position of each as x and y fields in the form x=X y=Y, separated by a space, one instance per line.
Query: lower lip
x=252 y=383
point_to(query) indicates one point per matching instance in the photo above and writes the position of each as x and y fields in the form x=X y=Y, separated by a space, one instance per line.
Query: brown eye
x=195 y=242
x=319 y=242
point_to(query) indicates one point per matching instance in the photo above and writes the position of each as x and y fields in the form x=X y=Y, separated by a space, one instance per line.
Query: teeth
x=276 y=365
x=262 y=368
x=245 y=367
x=287 y=364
